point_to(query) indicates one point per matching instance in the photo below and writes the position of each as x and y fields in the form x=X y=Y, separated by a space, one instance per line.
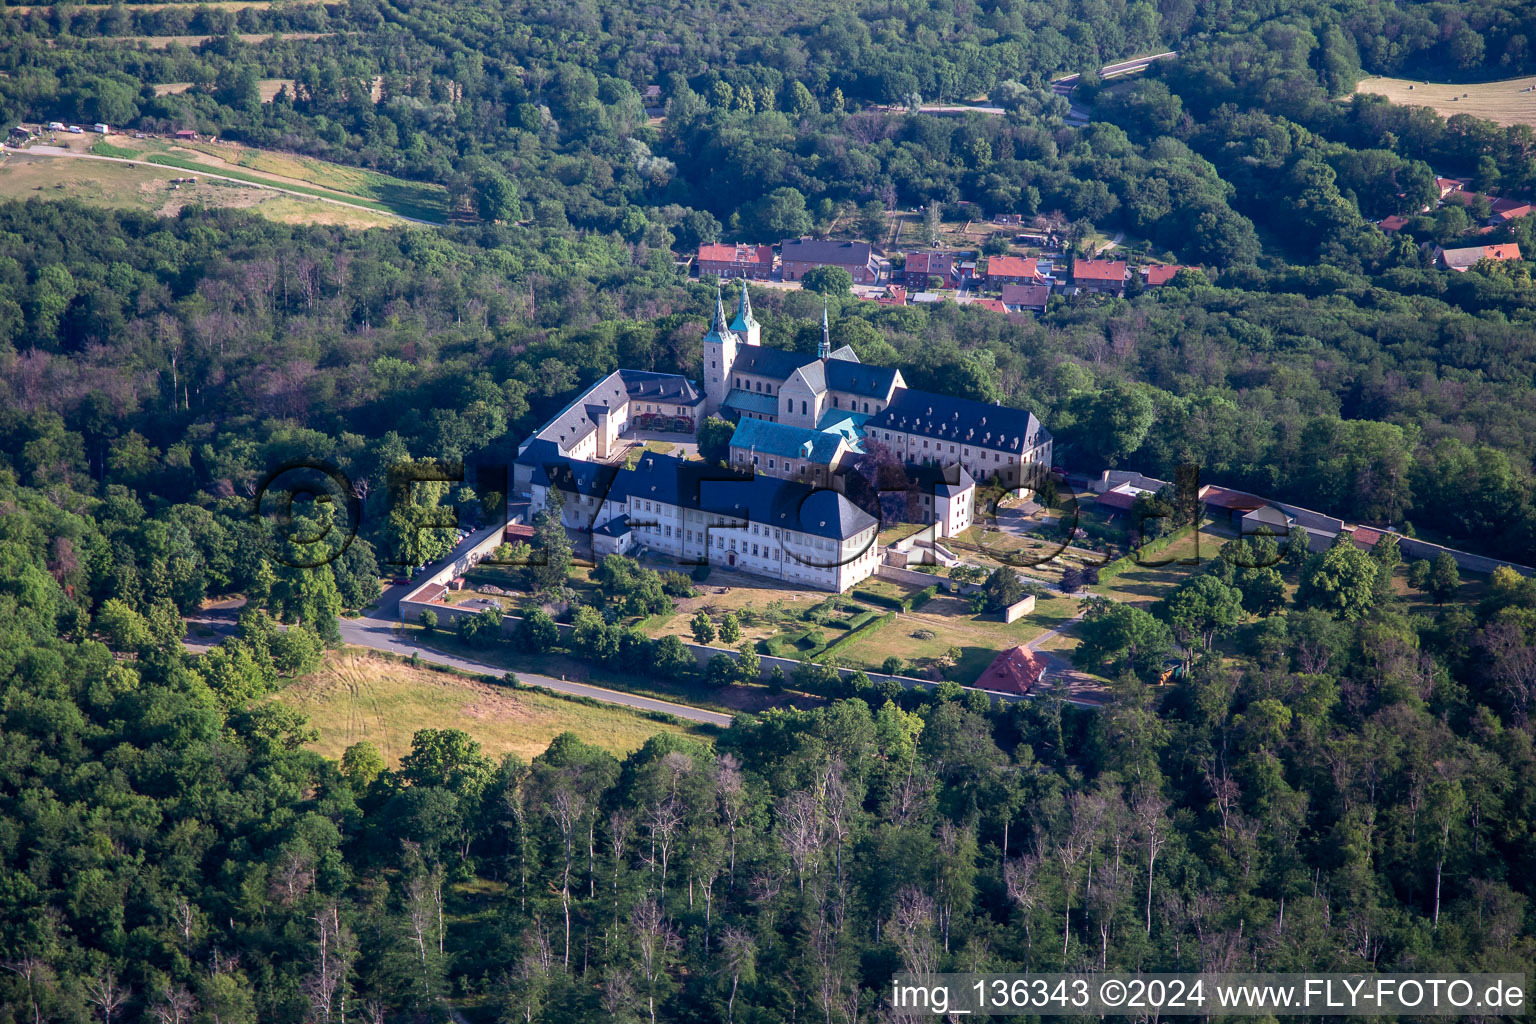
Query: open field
x=949 y=620
x=356 y=697
x=136 y=187
x=267 y=87
x=164 y=42
x=364 y=188
x=1512 y=101
x=1142 y=585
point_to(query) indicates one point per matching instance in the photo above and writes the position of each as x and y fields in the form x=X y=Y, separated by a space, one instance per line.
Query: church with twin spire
x=747 y=380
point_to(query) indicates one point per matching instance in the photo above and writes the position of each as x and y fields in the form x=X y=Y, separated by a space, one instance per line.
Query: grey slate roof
x=764 y=500
x=615 y=527
x=817 y=250
x=751 y=401
x=859 y=378
x=768 y=362
x=961 y=421
x=665 y=387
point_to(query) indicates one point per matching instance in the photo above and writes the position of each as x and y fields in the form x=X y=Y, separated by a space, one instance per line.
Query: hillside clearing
x=355 y=697
x=1507 y=102
x=136 y=187
x=164 y=42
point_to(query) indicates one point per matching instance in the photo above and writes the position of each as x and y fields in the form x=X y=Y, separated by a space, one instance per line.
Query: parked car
x=75 y=129
x=55 y=126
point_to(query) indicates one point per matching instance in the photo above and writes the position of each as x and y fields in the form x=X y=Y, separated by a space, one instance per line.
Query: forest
x=1341 y=781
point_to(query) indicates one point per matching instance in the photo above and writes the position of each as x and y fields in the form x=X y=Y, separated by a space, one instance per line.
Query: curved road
x=379 y=628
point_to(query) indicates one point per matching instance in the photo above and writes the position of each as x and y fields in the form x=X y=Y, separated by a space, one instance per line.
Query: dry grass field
x=1512 y=101
x=164 y=42
x=136 y=187
x=268 y=87
x=357 y=697
x=225 y=5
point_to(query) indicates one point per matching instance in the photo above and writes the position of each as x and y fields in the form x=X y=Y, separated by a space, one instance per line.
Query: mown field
x=306 y=175
x=1512 y=101
x=136 y=187
x=356 y=696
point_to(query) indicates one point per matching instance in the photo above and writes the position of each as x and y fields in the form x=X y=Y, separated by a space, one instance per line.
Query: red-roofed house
x=1392 y=224
x=754 y=261
x=895 y=295
x=1106 y=277
x=1449 y=185
x=923 y=265
x=1504 y=210
x=1161 y=274
x=1027 y=296
x=1005 y=270
x=995 y=305
x=1014 y=671
x=1462 y=260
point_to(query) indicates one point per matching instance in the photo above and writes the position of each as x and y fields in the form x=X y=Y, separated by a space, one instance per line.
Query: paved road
x=379 y=628
x=59 y=151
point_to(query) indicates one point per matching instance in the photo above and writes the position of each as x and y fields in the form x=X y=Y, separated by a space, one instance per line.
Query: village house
x=1016 y=270
x=1462 y=260
x=797 y=255
x=750 y=261
x=921 y=266
x=1104 y=277
x=1159 y=274
x=1026 y=298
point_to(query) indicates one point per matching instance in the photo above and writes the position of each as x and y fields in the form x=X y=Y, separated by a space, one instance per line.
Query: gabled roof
x=1012 y=266
x=748 y=255
x=1014 y=671
x=944 y=481
x=589 y=479
x=960 y=420
x=665 y=387
x=786 y=504
x=844 y=352
x=615 y=527
x=768 y=362
x=1461 y=259
x=857 y=378
x=816 y=250
x=768 y=438
x=1098 y=270
x=743 y=400
x=1026 y=294
x=1269 y=515
x=1392 y=223
x=814 y=375
x=928 y=262
x=1222 y=497
x=1162 y=274
x=995 y=305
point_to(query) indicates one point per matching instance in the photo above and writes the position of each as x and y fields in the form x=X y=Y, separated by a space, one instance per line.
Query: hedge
x=876 y=620
x=921 y=598
x=1152 y=547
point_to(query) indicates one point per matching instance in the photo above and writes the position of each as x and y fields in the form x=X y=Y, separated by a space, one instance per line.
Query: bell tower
x=719 y=356
x=745 y=325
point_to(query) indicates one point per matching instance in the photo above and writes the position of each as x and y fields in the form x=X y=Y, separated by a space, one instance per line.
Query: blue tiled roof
x=768 y=438
x=751 y=401
x=841 y=421
x=960 y=420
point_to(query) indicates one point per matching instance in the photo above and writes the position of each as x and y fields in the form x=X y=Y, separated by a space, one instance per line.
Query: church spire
x=825 y=348
x=744 y=321
x=718 y=328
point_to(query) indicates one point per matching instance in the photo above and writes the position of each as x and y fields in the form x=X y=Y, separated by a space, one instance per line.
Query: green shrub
x=921 y=598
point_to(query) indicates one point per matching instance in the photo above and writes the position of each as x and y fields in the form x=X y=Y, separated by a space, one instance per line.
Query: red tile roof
x=516 y=532
x=1393 y=223
x=1365 y=537
x=1502 y=251
x=1222 y=497
x=1117 y=499
x=1162 y=274
x=995 y=305
x=1012 y=266
x=895 y=295
x=758 y=255
x=1098 y=270
x=928 y=262
x=1014 y=671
